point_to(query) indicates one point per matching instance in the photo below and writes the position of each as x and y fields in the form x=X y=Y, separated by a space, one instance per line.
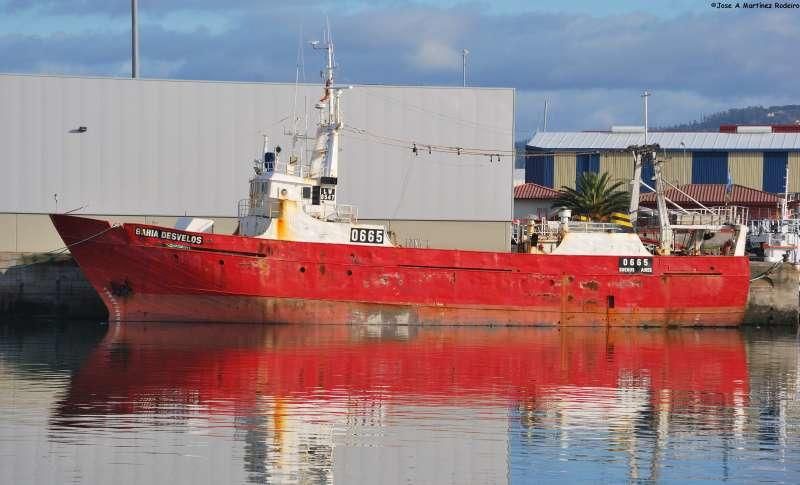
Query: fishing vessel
x=298 y=256
x=777 y=240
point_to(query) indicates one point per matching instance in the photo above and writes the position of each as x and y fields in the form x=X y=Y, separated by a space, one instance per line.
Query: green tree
x=595 y=197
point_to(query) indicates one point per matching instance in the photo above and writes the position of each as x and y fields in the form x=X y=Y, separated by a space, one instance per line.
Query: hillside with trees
x=753 y=115
x=519 y=150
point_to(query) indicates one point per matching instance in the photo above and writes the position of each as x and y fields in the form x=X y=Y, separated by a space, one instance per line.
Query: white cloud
x=593 y=68
x=435 y=54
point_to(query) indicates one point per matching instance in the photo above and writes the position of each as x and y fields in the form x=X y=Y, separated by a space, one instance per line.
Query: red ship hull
x=150 y=273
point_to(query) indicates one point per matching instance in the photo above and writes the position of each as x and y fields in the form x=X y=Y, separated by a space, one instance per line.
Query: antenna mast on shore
x=645 y=95
x=544 y=123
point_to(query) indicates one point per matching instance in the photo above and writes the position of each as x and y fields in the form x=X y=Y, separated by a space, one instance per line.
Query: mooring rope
x=63 y=249
x=767 y=272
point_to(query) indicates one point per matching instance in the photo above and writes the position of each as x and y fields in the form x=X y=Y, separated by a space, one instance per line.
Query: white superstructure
x=295 y=201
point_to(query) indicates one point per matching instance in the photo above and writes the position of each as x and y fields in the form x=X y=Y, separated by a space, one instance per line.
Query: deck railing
x=730 y=214
x=416 y=243
x=546 y=230
x=773 y=226
x=337 y=213
x=259 y=208
x=272 y=210
x=594 y=227
x=288 y=168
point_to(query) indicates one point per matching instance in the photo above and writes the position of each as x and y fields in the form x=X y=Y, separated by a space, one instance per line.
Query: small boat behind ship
x=777 y=240
x=298 y=256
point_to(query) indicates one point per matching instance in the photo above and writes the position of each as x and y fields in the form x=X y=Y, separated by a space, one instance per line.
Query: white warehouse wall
x=160 y=147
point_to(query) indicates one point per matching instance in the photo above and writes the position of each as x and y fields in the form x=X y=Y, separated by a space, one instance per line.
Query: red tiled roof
x=535 y=191
x=714 y=194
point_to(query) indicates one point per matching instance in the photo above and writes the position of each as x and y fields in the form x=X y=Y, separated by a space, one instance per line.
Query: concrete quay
x=46 y=285
x=774 y=294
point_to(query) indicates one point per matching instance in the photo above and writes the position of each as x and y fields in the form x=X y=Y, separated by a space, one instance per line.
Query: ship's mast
x=327 y=46
x=325 y=161
x=663 y=216
x=642 y=154
x=636 y=182
x=785 y=201
x=299 y=74
x=661 y=202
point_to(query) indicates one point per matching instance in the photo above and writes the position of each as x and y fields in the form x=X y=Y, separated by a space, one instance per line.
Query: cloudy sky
x=590 y=58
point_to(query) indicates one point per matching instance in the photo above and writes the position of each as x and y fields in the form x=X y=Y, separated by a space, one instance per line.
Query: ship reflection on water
x=360 y=404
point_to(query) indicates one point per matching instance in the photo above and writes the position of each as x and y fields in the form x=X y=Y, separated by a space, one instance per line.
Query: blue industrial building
x=753 y=157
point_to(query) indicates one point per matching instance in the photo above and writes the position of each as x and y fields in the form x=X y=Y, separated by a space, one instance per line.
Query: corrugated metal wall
x=794 y=171
x=564 y=171
x=747 y=168
x=759 y=170
x=618 y=165
x=648 y=173
x=709 y=167
x=774 y=176
x=677 y=167
x=586 y=163
x=539 y=169
x=169 y=147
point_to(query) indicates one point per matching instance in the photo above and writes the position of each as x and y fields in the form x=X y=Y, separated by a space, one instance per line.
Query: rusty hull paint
x=280 y=223
x=240 y=279
x=240 y=309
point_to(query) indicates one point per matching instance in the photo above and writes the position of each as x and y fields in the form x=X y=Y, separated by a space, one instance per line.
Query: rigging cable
x=766 y=273
x=457 y=150
x=63 y=249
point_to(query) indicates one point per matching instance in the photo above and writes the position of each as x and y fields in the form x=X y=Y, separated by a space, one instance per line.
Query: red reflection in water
x=225 y=368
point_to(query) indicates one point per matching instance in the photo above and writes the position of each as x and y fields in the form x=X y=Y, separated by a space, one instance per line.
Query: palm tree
x=594 y=197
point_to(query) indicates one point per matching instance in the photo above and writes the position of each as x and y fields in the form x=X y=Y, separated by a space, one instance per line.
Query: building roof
x=780 y=128
x=586 y=140
x=535 y=191
x=714 y=194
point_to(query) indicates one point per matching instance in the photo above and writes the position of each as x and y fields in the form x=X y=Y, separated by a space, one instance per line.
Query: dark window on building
x=539 y=169
x=775 y=171
x=586 y=163
x=709 y=167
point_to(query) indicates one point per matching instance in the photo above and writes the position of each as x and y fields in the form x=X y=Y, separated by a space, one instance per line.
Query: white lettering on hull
x=168 y=235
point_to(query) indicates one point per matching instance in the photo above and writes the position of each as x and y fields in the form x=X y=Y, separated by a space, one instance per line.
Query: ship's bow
x=76 y=230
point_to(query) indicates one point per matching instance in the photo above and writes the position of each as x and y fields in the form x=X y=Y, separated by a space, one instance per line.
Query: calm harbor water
x=82 y=402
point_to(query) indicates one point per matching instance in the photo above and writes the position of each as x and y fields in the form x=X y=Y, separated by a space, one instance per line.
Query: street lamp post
x=685 y=165
x=464 y=53
x=134 y=39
